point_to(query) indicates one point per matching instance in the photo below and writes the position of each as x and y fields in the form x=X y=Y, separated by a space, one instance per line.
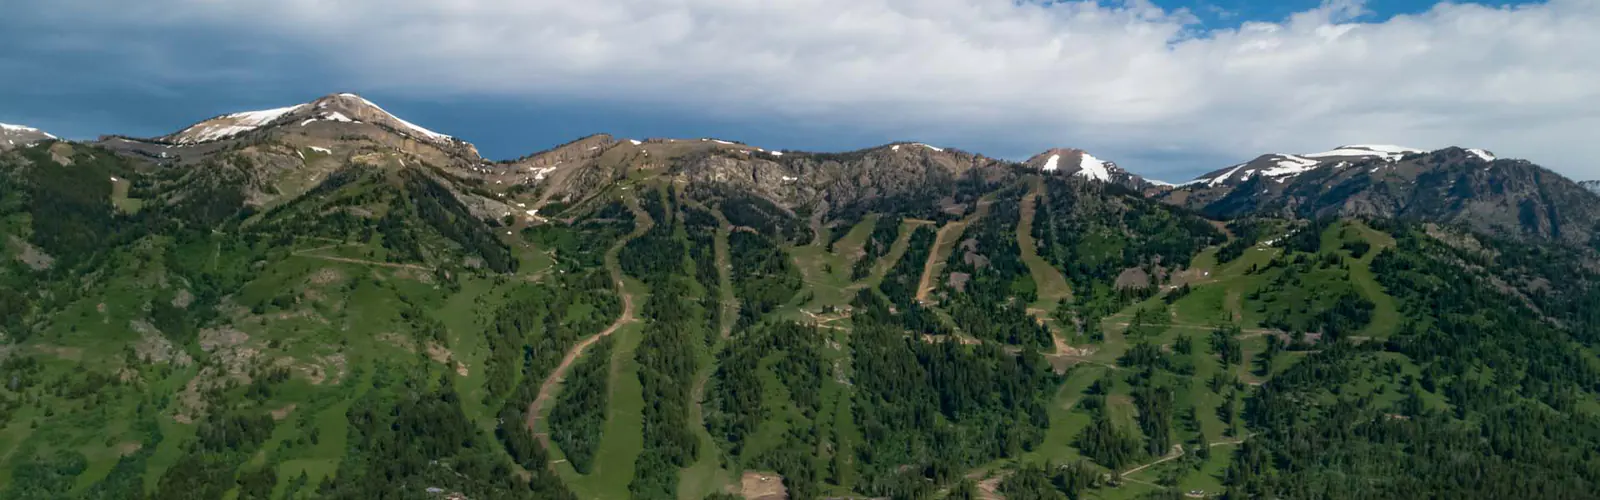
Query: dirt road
x=948 y=237
x=548 y=388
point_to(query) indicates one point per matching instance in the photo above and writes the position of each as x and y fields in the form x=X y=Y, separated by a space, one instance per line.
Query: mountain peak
x=363 y=109
x=1283 y=165
x=343 y=107
x=897 y=146
x=19 y=135
x=1075 y=162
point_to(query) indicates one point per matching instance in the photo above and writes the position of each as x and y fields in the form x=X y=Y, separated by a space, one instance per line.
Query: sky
x=1166 y=88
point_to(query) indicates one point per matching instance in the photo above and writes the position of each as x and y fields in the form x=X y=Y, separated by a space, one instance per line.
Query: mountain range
x=1451 y=185
x=327 y=301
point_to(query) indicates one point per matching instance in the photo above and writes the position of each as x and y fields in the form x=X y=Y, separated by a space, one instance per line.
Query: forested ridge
x=382 y=332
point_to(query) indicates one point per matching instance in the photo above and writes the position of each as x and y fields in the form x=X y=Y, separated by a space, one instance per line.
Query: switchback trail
x=548 y=388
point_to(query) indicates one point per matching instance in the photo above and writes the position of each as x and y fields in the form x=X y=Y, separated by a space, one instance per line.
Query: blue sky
x=1162 y=91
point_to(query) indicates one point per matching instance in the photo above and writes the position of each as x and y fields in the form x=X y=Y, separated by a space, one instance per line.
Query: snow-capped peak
x=1283 y=165
x=1386 y=152
x=19 y=128
x=896 y=147
x=345 y=108
x=1484 y=155
x=1077 y=162
x=407 y=126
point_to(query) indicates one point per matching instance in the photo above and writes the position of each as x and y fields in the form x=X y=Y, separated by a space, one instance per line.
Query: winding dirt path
x=1177 y=452
x=366 y=262
x=548 y=388
x=948 y=237
x=1245 y=332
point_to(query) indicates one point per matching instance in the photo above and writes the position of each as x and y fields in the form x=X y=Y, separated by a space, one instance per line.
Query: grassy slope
x=622 y=437
x=706 y=475
x=1385 y=316
x=827 y=274
x=897 y=250
x=1051 y=285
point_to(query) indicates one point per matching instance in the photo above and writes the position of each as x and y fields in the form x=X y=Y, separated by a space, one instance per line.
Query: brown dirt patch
x=762 y=486
x=399 y=340
x=31 y=256
x=63 y=352
x=1133 y=277
x=283 y=413
x=183 y=299
x=128 y=448
x=438 y=353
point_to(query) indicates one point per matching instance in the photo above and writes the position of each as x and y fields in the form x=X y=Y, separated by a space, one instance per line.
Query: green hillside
x=1041 y=337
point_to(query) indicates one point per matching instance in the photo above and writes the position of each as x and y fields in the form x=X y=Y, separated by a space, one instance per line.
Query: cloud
x=1128 y=80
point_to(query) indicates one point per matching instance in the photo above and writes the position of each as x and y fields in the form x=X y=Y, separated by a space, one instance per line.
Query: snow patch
x=930 y=147
x=20 y=128
x=1484 y=155
x=776 y=153
x=333 y=116
x=790 y=179
x=412 y=126
x=636 y=143
x=325 y=151
x=1386 y=152
x=1093 y=168
x=232 y=125
x=1386 y=148
x=1219 y=179
x=1052 y=164
x=1290 y=165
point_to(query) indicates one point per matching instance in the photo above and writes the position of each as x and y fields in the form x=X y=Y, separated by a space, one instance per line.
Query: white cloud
x=1122 y=79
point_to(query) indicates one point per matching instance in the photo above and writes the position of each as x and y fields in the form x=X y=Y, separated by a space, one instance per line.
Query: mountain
x=326 y=301
x=345 y=121
x=1279 y=165
x=12 y=136
x=793 y=180
x=1069 y=161
x=1452 y=185
x=1591 y=185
